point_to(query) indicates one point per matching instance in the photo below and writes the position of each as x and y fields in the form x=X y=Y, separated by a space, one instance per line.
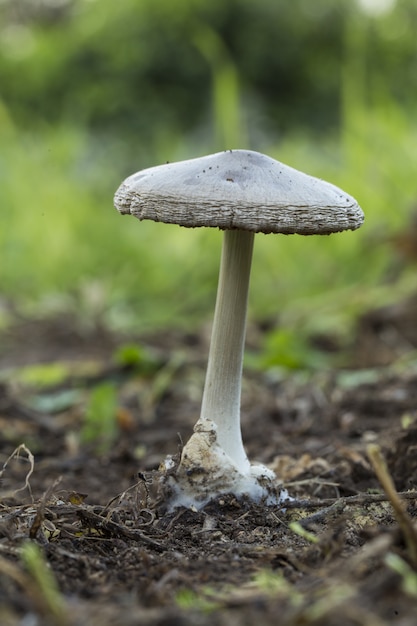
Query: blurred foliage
x=41 y=583
x=92 y=90
x=116 y=66
x=100 y=421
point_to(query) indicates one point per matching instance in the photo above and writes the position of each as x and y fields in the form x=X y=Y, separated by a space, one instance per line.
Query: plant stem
x=221 y=397
x=400 y=510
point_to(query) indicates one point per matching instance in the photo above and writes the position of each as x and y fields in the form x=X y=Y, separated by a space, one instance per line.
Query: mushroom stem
x=222 y=390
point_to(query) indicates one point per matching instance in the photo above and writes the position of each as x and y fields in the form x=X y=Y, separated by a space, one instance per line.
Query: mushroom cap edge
x=238 y=189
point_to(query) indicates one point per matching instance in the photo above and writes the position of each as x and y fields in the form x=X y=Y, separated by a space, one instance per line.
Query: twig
x=112 y=528
x=336 y=508
x=40 y=513
x=406 y=525
x=31 y=460
x=361 y=499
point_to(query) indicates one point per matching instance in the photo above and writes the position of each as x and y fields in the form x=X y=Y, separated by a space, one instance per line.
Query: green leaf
x=100 y=422
x=55 y=402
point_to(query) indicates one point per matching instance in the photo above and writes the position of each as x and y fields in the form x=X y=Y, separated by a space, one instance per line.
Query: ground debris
x=335 y=555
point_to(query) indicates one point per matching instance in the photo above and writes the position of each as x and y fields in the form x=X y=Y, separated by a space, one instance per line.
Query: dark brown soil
x=335 y=556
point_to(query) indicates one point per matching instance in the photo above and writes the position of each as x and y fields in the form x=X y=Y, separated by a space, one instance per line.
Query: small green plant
x=48 y=594
x=204 y=601
x=100 y=421
x=298 y=529
x=274 y=584
x=408 y=575
x=136 y=356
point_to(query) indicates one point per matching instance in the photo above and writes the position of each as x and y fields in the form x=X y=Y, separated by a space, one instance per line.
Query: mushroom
x=241 y=192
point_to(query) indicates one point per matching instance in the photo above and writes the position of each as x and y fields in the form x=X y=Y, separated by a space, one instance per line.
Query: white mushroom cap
x=238 y=189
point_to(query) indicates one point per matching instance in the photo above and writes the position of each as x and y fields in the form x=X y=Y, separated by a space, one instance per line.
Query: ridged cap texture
x=238 y=189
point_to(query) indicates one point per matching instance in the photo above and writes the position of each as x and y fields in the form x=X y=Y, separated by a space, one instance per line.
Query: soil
x=109 y=553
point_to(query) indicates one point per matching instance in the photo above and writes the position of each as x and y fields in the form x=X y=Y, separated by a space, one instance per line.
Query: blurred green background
x=93 y=90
